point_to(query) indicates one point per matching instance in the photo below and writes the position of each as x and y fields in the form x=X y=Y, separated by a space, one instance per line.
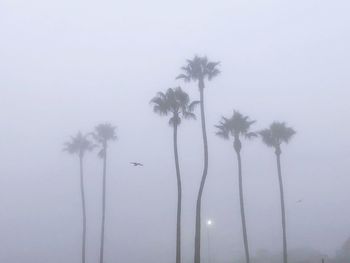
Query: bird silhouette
x=299 y=201
x=136 y=164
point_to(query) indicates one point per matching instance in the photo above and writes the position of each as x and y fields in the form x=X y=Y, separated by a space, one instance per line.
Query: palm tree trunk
x=179 y=196
x=83 y=209
x=103 y=204
x=241 y=200
x=197 y=248
x=285 y=257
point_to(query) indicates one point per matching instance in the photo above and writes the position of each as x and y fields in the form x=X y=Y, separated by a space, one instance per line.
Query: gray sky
x=69 y=65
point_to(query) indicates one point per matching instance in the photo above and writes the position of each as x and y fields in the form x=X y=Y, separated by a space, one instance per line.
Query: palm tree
x=102 y=135
x=238 y=126
x=198 y=69
x=79 y=145
x=274 y=136
x=175 y=102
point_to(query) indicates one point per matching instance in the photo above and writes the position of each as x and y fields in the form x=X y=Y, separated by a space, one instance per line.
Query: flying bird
x=299 y=201
x=136 y=164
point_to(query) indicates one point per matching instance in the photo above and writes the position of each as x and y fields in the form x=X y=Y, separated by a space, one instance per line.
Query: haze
x=67 y=66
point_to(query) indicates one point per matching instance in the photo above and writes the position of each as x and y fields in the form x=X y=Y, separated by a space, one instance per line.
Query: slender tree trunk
x=285 y=257
x=179 y=197
x=197 y=248
x=83 y=209
x=241 y=201
x=103 y=204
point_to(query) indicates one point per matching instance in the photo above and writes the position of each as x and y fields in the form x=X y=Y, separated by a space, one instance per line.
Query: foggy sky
x=70 y=65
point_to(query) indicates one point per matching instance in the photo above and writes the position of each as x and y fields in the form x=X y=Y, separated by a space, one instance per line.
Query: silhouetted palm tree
x=198 y=69
x=79 y=145
x=238 y=126
x=103 y=134
x=274 y=136
x=176 y=103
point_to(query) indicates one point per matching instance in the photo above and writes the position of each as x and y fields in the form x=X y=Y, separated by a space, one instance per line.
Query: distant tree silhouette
x=79 y=145
x=343 y=255
x=103 y=134
x=274 y=136
x=176 y=103
x=238 y=126
x=198 y=69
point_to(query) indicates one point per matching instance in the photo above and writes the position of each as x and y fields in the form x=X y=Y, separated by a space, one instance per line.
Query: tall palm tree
x=198 y=70
x=79 y=145
x=103 y=134
x=238 y=126
x=176 y=103
x=274 y=136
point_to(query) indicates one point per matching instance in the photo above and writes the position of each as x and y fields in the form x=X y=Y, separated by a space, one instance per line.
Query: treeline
x=176 y=104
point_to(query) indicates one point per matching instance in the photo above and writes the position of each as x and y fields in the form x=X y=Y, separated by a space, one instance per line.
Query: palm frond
x=212 y=70
x=213 y=74
x=181 y=97
x=189 y=115
x=185 y=77
x=212 y=65
x=223 y=129
x=250 y=135
x=267 y=138
x=223 y=134
x=160 y=103
x=193 y=105
x=174 y=121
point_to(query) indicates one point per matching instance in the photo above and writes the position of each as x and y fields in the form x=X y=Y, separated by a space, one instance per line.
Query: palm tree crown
x=276 y=134
x=236 y=126
x=104 y=133
x=176 y=102
x=199 y=68
x=78 y=144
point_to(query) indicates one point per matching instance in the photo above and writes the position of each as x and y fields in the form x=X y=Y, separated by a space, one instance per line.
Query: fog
x=67 y=66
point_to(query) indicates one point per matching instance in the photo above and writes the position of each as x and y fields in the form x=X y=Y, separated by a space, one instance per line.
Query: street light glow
x=209 y=222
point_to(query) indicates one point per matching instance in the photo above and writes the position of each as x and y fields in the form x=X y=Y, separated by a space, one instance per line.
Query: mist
x=68 y=66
